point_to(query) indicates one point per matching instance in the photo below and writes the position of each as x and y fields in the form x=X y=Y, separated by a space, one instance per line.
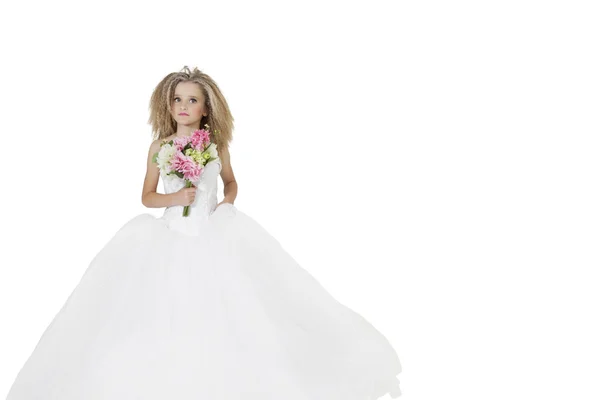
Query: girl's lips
x=184 y=114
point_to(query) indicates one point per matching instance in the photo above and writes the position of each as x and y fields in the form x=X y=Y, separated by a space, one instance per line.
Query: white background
x=434 y=164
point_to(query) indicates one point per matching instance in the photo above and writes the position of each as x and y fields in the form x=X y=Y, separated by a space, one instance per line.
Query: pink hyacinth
x=199 y=138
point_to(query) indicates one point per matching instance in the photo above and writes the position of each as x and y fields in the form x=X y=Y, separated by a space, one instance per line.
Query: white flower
x=164 y=157
x=212 y=150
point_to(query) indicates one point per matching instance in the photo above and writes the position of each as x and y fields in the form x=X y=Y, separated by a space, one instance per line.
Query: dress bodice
x=204 y=203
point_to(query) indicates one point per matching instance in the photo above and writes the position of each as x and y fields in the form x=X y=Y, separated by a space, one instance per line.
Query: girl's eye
x=177 y=98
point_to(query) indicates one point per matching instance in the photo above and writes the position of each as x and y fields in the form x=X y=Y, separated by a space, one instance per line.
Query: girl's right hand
x=185 y=196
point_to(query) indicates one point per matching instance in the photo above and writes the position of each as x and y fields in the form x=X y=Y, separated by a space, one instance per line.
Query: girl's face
x=187 y=104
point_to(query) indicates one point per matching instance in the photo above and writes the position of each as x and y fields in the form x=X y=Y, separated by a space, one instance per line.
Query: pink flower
x=193 y=173
x=187 y=166
x=180 y=142
x=199 y=138
x=179 y=161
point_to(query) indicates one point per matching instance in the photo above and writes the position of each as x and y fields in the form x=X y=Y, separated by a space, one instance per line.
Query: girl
x=202 y=302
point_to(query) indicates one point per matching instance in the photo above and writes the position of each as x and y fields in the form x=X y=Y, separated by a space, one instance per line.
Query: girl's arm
x=230 y=187
x=150 y=198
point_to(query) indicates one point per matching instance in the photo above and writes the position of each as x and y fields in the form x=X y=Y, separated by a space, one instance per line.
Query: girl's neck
x=185 y=132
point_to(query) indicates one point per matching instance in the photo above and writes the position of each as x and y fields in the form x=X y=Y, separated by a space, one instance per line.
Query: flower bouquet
x=187 y=156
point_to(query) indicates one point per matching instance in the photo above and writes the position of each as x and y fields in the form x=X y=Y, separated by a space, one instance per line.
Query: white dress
x=204 y=307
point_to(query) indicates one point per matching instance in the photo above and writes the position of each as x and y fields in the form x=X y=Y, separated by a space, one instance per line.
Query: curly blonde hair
x=219 y=118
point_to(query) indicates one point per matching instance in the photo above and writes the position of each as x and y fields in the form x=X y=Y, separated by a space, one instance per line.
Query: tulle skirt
x=226 y=314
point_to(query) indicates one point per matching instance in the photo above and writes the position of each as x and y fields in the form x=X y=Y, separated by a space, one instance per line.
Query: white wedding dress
x=204 y=307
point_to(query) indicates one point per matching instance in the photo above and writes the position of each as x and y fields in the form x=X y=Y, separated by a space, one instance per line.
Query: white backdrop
x=434 y=164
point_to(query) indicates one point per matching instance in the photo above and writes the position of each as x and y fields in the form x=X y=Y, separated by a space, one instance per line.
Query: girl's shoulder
x=158 y=142
x=167 y=138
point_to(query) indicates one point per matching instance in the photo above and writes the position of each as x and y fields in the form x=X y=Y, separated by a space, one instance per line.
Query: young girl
x=203 y=306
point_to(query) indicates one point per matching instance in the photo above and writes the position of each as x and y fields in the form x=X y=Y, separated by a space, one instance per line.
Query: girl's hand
x=185 y=196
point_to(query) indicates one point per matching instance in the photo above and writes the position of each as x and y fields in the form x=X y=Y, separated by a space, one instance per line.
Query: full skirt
x=224 y=315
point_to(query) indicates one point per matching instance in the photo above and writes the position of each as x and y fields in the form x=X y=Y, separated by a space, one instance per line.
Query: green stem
x=186 y=209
